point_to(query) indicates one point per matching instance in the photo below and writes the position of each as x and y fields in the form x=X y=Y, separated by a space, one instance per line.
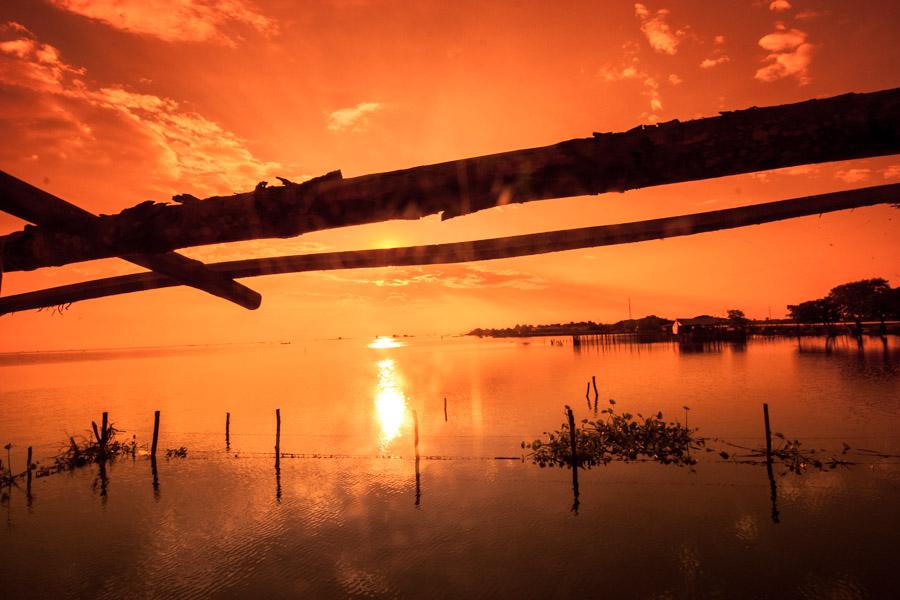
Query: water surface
x=345 y=517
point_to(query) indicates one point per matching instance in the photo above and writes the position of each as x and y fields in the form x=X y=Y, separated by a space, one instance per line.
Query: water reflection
x=390 y=402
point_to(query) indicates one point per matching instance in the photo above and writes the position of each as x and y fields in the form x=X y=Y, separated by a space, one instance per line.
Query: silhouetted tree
x=860 y=300
x=737 y=319
x=822 y=311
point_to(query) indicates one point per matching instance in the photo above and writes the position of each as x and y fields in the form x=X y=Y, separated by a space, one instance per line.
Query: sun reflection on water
x=390 y=402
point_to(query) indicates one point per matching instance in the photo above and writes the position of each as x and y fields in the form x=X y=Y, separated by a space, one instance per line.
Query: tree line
x=854 y=302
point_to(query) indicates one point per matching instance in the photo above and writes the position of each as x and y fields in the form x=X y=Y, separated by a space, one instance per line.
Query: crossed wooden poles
x=839 y=128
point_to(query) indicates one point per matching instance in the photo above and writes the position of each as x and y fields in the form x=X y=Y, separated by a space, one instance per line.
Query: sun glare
x=385 y=341
x=390 y=402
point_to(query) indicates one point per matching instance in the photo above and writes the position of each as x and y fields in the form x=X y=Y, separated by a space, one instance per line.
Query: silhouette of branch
x=32 y=204
x=489 y=249
x=839 y=128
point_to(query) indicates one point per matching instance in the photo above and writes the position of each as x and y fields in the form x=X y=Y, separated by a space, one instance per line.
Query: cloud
x=674 y=79
x=50 y=102
x=780 y=5
x=891 y=172
x=657 y=30
x=354 y=118
x=853 y=175
x=709 y=63
x=457 y=277
x=217 y=21
x=806 y=15
x=633 y=71
x=789 y=55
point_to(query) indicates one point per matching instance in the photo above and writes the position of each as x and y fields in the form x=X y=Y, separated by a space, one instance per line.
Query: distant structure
x=697 y=327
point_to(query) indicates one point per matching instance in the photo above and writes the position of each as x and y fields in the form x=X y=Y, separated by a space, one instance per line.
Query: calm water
x=343 y=519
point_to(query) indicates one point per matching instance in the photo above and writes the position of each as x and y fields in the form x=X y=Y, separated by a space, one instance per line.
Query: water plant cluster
x=622 y=437
x=102 y=447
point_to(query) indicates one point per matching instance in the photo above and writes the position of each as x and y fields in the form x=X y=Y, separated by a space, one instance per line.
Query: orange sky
x=112 y=102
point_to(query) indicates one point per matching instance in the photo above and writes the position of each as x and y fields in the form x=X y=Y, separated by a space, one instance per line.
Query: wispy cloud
x=789 y=55
x=631 y=70
x=709 y=63
x=779 y=5
x=457 y=277
x=659 y=34
x=354 y=118
x=853 y=175
x=181 y=145
x=175 y=21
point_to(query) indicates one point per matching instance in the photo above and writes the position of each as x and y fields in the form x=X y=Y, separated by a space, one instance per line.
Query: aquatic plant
x=176 y=452
x=102 y=447
x=617 y=437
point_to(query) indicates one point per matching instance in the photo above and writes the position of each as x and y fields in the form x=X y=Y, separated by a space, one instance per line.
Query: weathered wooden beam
x=839 y=128
x=496 y=248
x=33 y=204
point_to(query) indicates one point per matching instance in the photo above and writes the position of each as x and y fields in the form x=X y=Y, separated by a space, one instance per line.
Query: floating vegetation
x=792 y=456
x=102 y=447
x=618 y=437
x=176 y=452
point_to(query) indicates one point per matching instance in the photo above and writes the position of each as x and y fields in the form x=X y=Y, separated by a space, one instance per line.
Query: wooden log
x=838 y=128
x=32 y=204
x=489 y=249
x=155 y=434
x=227 y=430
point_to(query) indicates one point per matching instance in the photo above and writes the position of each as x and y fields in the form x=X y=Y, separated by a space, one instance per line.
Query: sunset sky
x=111 y=102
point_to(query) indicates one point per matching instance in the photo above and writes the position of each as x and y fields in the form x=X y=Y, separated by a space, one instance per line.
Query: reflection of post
x=572 y=440
x=227 y=430
x=773 y=488
x=155 y=472
x=104 y=480
x=418 y=477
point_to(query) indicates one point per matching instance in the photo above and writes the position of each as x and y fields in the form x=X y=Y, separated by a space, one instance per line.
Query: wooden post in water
x=28 y=475
x=227 y=430
x=572 y=436
x=416 y=431
x=596 y=394
x=277 y=437
x=768 y=434
x=445 y=409
x=104 y=430
x=155 y=434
